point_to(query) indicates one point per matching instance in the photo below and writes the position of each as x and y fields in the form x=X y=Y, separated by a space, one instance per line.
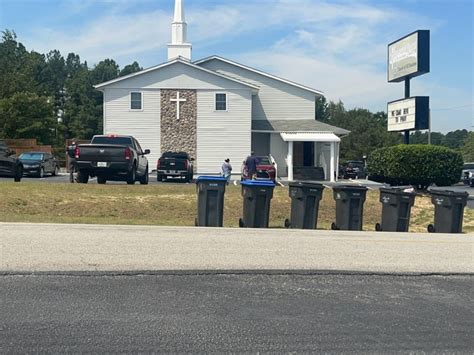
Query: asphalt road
x=236 y=313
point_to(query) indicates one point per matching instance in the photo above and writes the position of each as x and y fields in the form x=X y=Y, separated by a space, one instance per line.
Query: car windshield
x=175 y=155
x=355 y=164
x=31 y=156
x=263 y=161
x=468 y=166
x=112 y=140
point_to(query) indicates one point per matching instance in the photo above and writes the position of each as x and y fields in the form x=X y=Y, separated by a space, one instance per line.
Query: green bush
x=417 y=165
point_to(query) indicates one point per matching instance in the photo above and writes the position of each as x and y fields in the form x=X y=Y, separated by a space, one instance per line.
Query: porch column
x=338 y=148
x=289 y=160
x=332 y=165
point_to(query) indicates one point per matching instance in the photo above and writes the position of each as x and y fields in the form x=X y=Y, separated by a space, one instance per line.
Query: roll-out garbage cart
x=257 y=195
x=396 y=208
x=449 y=211
x=210 y=191
x=349 y=207
x=305 y=197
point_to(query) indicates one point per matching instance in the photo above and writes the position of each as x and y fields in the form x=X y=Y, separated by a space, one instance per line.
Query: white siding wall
x=223 y=134
x=178 y=76
x=143 y=125
x=275 y=100
x=279 y=151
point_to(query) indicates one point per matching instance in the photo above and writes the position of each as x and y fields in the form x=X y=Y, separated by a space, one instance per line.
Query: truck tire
x=144 y=178
x=82 y=177
x=132 y=176
x=159 y=177
x=101 y=180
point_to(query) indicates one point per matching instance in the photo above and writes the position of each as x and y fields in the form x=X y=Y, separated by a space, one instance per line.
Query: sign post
x=409 y=57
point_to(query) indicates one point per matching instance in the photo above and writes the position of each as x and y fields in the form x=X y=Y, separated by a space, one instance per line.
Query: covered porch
x=312 y=155
x=302 y=149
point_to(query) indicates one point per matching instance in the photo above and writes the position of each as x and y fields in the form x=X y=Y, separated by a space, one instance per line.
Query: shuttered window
x=135 y=100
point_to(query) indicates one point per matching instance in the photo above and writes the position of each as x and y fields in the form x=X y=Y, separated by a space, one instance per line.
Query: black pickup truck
x=175 y=164
x=111 y=157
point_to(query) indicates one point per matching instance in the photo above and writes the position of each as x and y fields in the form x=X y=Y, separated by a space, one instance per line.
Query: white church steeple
x=178 y=46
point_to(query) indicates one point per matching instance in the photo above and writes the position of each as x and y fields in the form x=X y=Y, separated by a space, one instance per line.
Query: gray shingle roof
x=296 y=126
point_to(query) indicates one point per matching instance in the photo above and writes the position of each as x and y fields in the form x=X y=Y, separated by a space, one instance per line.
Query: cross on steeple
x=178 y=101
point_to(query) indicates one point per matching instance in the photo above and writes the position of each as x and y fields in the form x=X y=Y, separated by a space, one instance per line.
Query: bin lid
x=399 y=190
x=210 y=178
x=449 y=193
x=311 y=185
x=349 y=187
x=257 y=183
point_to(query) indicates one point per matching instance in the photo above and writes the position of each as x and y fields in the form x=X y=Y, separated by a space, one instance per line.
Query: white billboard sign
x=403 y=57
x=402 y=115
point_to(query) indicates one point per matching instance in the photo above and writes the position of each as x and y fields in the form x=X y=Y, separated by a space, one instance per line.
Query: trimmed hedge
x=417 y=165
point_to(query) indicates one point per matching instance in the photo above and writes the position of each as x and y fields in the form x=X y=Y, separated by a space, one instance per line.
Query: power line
x=451 y=108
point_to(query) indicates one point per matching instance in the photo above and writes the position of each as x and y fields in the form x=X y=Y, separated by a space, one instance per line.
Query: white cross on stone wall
x=177 y=100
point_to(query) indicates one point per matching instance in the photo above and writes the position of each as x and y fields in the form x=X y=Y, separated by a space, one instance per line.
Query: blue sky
x=338 y=47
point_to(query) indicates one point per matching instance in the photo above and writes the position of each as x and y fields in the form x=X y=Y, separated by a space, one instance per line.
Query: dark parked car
x=266 y=169
x=9 y=164
x=354 y=169
x=111 y=157
x=175 y=164
x=39 y=164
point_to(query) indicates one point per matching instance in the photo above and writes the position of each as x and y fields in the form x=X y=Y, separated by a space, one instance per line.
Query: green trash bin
x=349 y=207
x=305 y=197
x=449 y=211
x=396 y=208
x=210 y=190
x=257 y=195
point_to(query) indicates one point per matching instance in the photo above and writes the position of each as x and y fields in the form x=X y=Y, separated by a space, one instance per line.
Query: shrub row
x=417 y=165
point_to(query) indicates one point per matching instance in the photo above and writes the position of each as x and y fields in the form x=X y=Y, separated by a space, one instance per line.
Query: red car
x=266 y=169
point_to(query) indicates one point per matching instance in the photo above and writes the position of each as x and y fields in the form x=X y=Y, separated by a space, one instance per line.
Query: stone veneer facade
x=179 y=135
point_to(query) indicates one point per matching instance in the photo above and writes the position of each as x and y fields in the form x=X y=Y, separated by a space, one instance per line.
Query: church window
x=136 y=101
x=221 y=102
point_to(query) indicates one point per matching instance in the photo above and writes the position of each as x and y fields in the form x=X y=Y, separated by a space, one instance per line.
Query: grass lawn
x=168 y=205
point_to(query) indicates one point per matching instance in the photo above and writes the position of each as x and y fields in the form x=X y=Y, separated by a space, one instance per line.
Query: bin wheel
x=241 y=223
x=431 y=228
x=287 y=223
x=334 y=227
x=196 y=222
x=378 y=227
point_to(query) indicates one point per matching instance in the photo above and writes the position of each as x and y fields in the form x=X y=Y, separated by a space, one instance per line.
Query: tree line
x=51 y=97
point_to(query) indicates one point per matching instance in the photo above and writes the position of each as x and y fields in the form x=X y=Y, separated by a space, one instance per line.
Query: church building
x=215 y=108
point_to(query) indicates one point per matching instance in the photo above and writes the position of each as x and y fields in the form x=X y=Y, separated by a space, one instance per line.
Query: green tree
x=27 y=115
x=467 y=149
x=322 y=109
x=455 y=139
x=130 y=69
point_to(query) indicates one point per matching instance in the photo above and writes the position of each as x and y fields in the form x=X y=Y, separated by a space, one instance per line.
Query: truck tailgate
x=173 y=164
x=102 y=153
